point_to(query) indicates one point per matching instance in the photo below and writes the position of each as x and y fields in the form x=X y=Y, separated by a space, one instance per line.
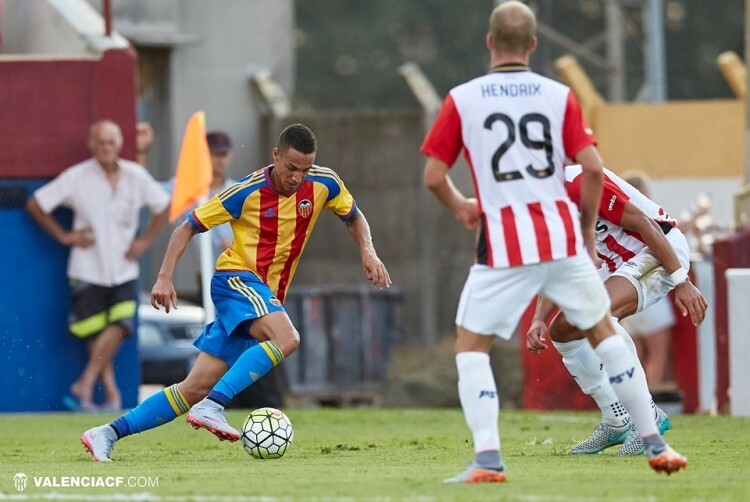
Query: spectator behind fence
x=106 y=194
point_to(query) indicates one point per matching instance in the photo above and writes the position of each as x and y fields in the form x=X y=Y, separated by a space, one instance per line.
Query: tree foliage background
x=349 y=52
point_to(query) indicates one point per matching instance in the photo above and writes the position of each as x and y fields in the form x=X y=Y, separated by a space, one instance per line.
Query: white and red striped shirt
x=516 y=128
x=615 y=244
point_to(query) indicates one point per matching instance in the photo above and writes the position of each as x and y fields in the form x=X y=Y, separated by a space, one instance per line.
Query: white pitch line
x=137 y=497
x=150 y=497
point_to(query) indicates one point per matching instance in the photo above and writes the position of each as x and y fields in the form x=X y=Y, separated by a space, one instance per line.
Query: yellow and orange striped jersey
x=270 y=229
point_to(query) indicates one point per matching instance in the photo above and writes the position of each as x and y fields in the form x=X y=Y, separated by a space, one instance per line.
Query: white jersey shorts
x=494 y=299
x=645 y=272
x=657 y=317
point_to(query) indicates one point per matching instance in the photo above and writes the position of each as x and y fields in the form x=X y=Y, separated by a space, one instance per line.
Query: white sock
x=586 y=367
x=629 y=383
x=479 y=399
x=620 y=330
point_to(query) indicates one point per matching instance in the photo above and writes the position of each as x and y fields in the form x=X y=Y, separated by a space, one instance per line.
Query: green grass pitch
x=375 y=454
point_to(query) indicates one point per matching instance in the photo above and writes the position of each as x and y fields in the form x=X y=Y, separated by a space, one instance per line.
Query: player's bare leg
x=202 y=377
x=278 y=338
x=205 y=414
x=480 y=403
x=158 y=409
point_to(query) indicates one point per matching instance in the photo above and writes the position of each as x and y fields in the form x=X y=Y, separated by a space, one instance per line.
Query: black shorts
x=93 y=308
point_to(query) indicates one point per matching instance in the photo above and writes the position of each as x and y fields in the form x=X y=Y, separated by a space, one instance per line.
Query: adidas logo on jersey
x=270 y=213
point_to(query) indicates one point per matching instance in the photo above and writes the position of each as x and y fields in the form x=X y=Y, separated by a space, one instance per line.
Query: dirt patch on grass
x=426 y=376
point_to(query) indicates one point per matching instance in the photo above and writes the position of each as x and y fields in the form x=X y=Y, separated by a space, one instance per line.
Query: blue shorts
x=239 y=297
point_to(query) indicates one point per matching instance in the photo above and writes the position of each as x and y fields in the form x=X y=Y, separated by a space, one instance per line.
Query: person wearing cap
x=220 y=147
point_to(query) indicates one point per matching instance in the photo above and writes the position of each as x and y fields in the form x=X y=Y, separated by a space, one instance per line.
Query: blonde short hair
x=512 y=27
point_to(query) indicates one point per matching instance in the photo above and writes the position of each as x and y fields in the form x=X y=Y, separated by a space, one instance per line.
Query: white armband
x=679 y=276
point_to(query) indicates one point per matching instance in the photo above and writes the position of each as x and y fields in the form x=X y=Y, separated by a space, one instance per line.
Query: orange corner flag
x=193 y=169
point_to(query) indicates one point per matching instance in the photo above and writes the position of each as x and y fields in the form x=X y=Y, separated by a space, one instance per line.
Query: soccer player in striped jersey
x=644 y=257
x=517 y=128
x=272 y=212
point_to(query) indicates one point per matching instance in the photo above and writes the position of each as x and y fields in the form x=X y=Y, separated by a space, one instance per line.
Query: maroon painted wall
x=730 y=252
x=47 y=106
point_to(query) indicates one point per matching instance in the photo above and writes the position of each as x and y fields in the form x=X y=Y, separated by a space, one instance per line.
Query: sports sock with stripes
x=250 y=366
x=159 y=409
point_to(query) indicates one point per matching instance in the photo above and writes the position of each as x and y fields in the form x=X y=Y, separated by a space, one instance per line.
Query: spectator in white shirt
x=106 y=194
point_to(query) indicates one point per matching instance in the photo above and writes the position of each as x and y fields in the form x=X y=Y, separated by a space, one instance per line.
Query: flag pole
x=207 y=261
x=192 y=185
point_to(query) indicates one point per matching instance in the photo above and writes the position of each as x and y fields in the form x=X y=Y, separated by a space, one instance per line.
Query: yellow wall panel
x=675 y=139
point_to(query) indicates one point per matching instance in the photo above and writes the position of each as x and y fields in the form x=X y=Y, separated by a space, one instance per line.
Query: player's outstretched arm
x=436 y=179
x=163 y=292
x=374 y=269
x=687 y=297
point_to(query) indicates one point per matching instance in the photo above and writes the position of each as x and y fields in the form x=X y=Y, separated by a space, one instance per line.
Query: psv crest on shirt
x=305 y=208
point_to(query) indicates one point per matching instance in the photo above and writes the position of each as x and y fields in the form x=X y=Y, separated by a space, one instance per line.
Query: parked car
x=165 y=341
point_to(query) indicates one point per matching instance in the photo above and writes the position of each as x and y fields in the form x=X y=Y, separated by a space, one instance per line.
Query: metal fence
x=347 y=333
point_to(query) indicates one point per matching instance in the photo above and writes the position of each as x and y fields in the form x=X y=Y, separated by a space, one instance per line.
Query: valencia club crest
x=305 y=208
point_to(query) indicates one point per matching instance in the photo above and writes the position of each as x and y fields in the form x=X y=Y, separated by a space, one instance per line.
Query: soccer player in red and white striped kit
x=644 y=257
x=516 y=129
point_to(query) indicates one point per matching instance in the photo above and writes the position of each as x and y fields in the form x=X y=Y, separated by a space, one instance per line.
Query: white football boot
x=100 y=441
x=210 y=416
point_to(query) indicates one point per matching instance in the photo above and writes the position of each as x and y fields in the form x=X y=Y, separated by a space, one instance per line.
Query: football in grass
x=267 y=433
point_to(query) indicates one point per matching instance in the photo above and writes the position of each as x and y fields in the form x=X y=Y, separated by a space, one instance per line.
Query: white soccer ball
x=267 y=433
